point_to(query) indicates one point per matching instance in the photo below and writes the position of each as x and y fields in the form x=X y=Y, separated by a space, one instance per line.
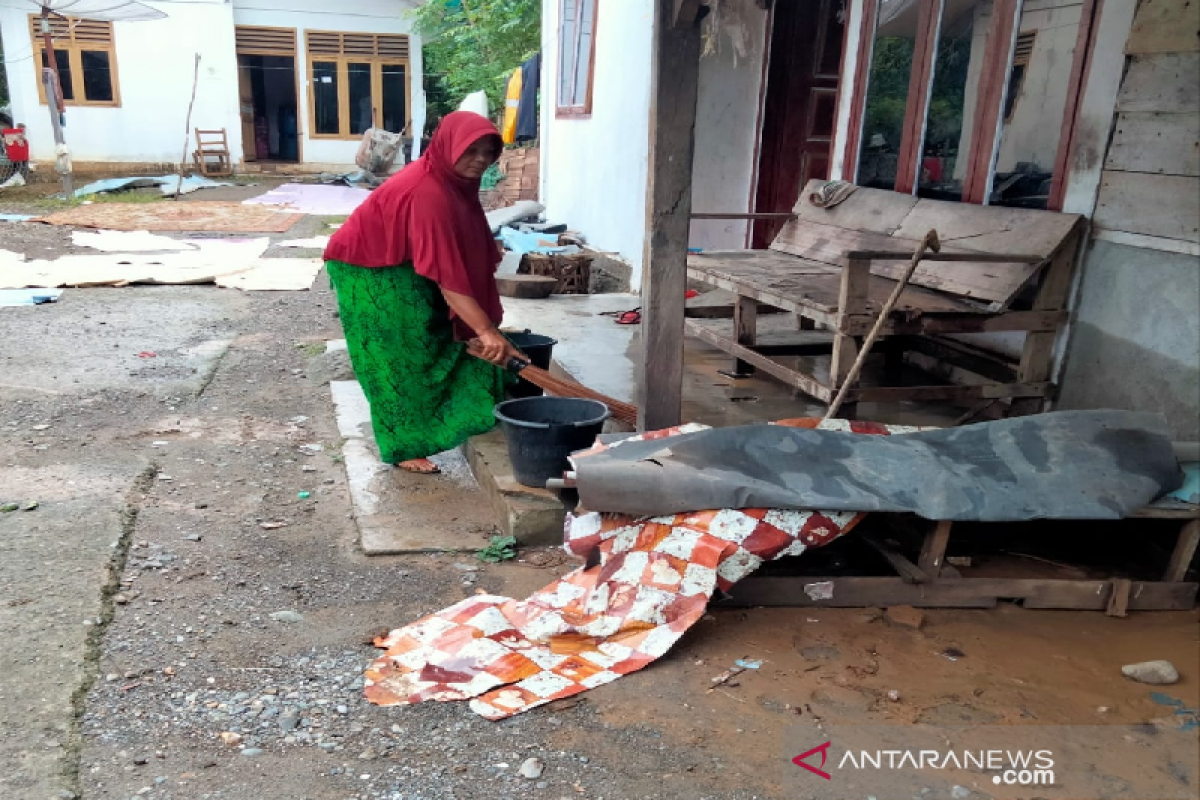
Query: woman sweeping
x=414 y=270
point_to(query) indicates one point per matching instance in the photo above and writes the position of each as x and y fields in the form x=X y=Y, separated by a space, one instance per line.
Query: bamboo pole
x=187 y=129
x=929 y=242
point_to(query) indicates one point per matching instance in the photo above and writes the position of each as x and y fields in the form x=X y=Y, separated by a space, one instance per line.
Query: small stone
x=894 y=696
x=367 y=755
x=230 y=738
x=120 y=599
x=343 y=710
x=193 y=537
x=905 y=617
x=1155 y=673
x=6 y=507
x=201 y=505
x=308 y=468
x=251 y=752
x=532 y=768
x=287 y=616
x=30 y=506
x=41 y=427
x=960 y=792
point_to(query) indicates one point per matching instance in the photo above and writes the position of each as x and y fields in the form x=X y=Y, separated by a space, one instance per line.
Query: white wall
x=155 y=63
x=594 y=170
x=727 y=111
x=362 y=16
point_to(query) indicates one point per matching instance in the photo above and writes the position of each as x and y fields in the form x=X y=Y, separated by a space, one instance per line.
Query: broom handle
x=931 y=242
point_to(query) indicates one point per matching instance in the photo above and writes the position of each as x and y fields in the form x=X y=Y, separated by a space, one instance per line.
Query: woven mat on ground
x=651 y=581
x=177 y=216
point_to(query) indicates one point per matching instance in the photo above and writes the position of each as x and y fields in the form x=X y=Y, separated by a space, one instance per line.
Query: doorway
x=800 y=107
x=267 y=94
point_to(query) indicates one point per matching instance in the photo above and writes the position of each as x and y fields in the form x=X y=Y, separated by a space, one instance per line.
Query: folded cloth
x=831 y=193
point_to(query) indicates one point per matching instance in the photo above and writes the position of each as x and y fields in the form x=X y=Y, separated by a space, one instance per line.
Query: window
x=576 y=52
x=969 y=100
x=357 y=81
x=86 y=58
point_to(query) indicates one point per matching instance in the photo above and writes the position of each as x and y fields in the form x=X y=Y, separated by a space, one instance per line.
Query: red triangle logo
x=821 y=748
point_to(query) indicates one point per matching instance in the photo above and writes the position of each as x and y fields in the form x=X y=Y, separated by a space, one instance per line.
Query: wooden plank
x=749 y=215
x=1165 y=26
x=1184 y=551
x=1037 y=354
x=1118 y=597
x=933 y=548
x=900 y=394
x=802 y=381
x=718 y=304
x=1161 y=83
x=867 y=592
x=675 y=76
x=1167 y=508
x=745 y=327
x=971 y=359
x=829 y=244
x=977 y=323
x=990 y=229
x=776 y=336
x=870 y=210
x=1148 y=242
x=1157 y=142
x=908 y=571
x=1156 y=205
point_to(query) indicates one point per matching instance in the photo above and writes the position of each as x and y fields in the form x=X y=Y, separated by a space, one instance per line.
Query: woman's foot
x=421 y=466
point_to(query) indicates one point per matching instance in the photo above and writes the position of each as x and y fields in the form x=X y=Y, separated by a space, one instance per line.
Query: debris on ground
x=1155 y=673
x=905 y=617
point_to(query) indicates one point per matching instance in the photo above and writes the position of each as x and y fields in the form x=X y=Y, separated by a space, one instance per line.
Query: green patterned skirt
x=427 y=394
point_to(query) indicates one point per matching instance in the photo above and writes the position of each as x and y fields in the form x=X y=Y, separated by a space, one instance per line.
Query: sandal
x=419 y=466
x=633 y=317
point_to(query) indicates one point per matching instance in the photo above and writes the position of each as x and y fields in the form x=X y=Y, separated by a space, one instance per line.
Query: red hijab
x=429 y=215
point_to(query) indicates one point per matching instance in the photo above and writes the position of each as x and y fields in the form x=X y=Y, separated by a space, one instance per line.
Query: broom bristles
x=561 y=387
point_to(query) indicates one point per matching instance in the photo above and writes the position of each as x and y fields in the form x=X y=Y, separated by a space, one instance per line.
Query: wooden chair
x=1000 y=269
x=212 y=153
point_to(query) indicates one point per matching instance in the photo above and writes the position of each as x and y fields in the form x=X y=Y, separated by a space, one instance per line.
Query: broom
x=561 y=387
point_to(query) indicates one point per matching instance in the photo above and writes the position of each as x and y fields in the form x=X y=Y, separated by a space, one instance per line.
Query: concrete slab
x=592 y=348
x=532 y=516
x=162 y=339
x=400 y=512
x=57 y=564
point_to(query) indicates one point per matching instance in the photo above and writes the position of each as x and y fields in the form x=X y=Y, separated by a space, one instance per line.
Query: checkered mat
x=651 y=581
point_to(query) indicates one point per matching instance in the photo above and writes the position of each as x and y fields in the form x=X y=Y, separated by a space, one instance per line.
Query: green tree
x=472 y=45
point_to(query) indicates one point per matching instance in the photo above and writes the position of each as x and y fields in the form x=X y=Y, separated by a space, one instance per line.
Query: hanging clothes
x=527 y=111
x=512 y=99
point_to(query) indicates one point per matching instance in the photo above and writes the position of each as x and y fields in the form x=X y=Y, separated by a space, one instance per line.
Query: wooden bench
x=1000 y=269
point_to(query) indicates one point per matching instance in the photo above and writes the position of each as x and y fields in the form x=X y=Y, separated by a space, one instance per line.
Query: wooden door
x=246 y=109
x=800 y=107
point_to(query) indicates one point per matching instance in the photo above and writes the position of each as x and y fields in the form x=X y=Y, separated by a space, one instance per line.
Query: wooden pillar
x=675 y=73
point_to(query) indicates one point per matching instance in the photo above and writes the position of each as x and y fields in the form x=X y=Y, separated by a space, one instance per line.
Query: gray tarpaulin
x=1062 y=465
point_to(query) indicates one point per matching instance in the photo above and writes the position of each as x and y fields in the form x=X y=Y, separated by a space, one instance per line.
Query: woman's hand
x=492 y=346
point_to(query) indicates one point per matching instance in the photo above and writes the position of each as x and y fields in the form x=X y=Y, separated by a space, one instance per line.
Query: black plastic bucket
x=539 y=349
x=543 y=431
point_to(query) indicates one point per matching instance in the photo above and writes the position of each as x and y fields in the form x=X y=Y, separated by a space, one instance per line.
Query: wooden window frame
x=343 y=60
x=983 y=149
x=74 y=49
x=584 y=110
